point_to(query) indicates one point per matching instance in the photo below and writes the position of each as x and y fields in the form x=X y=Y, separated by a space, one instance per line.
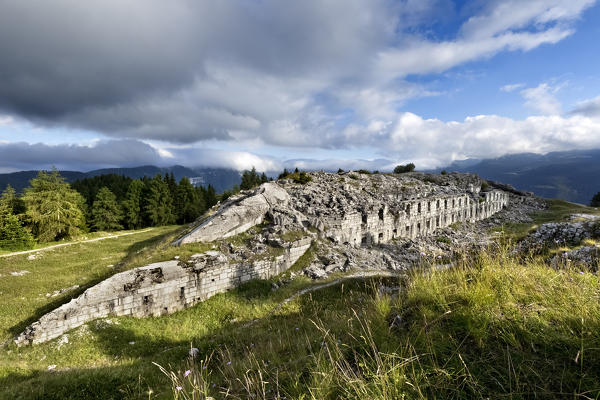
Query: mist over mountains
x=568 y=175
x=220 y=178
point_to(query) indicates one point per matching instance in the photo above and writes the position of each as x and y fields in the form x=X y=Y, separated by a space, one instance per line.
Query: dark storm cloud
x=310 y=73
x=117 y=67
x=112 y=153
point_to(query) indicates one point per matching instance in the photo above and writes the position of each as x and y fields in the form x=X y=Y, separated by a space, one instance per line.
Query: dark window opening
x=146 y=299
x=419 y=208
x=182 y=292
x=381 y=214
x=380 y=237
x=364 y=218
x=428 y=206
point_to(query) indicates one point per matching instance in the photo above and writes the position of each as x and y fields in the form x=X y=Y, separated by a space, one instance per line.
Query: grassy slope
x=490 y=328
x=23 y=298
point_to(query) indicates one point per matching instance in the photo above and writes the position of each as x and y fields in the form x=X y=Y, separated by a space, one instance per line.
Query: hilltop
x=349 y=302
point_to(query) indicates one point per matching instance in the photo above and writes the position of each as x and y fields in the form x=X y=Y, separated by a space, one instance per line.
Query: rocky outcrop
x=557 y=234
x=239 y=214
x=587 y=257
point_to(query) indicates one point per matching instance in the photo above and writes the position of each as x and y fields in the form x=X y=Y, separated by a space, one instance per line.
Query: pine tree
x=210 y=198
x=158 y=203
x=132 y=205
x=189 y=205
x=13 y=236
x=54 y=209
x=11 y=202
x=595 y=200
x=106 y=213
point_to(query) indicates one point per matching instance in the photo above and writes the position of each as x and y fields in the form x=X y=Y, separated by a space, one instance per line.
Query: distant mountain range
x=220 y=178
x=568 y=175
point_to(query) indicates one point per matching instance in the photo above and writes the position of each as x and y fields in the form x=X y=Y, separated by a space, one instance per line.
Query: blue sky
x=314 y=84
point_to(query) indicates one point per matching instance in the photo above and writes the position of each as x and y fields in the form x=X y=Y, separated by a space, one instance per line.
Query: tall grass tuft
x=490 y=327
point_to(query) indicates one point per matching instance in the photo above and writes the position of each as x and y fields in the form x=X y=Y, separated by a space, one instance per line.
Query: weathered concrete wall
x=157 y=289
x=412 y=218
x=239 y=214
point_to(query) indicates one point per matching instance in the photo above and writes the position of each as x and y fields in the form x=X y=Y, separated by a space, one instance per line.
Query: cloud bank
x=295 y=75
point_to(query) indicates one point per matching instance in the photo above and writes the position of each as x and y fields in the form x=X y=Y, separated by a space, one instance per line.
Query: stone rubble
x=587 y=257
x=556 y=234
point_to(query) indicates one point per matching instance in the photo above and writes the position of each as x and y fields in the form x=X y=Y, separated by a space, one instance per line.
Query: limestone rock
x=239 y=214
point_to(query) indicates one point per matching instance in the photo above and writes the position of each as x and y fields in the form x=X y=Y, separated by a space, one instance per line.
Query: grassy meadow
x=491 y=327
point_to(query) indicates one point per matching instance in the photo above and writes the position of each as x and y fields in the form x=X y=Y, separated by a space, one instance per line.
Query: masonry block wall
x=412 y=218
x=157 y=289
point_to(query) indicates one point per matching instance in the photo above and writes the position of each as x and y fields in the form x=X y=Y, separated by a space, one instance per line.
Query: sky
x=314 y=84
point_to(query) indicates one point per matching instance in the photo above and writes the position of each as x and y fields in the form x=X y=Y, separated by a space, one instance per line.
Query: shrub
x=444 y=172
x=400 y=169
x=296 y=176
x=364 y=171
x=595 y=200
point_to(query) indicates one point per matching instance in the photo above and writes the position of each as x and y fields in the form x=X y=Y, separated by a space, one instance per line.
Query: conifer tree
x=53 y=208
x=595 y=200
x=106 y=213
x=210 y=197
x=158 y=203
x=11 y=202
x=132 y=205
x=13 y=235
x=189 y=205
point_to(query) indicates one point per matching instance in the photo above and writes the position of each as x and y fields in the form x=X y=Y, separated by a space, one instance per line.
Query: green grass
x=492 y=327
x=23 y=298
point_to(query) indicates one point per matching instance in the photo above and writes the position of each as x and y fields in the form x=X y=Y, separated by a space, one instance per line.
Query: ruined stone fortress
x=349 y=210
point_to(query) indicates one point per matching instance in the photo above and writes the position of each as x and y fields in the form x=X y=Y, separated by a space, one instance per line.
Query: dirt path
x=16 y=253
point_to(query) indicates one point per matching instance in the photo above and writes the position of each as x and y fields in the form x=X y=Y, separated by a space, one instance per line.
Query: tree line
x=51 y=209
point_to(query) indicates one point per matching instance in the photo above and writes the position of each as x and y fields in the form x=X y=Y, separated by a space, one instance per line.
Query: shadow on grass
x=132 y=381
x=462 y=355
x=132 y=251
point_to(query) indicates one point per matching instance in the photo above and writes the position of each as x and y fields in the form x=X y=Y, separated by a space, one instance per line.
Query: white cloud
x=511 y=87
x=432 y=143
x=542 y=99
x=253 y=72
x=6 y=120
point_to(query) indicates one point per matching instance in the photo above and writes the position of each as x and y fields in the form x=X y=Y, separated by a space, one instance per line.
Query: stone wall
x=157 y=289
x=412 y=218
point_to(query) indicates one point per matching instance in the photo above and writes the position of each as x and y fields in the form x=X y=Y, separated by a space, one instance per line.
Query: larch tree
x=54 y=210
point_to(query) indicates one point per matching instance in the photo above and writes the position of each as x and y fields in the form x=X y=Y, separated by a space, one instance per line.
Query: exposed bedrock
x=239 y=214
